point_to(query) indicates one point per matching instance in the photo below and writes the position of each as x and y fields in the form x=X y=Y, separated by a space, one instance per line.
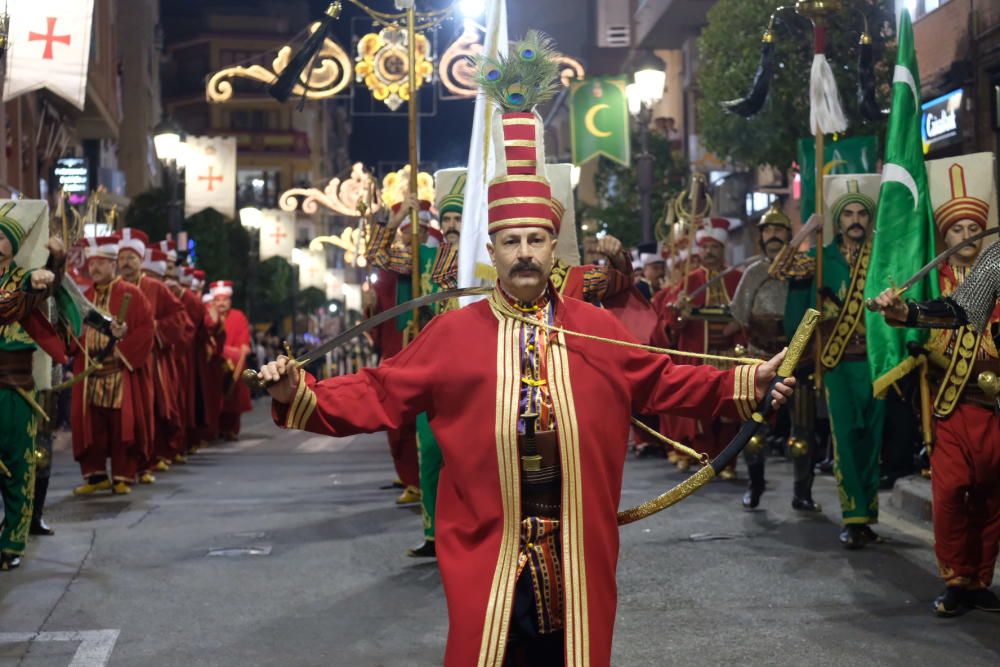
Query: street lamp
x=646 y=89
x=252 y=219
x=168 y=140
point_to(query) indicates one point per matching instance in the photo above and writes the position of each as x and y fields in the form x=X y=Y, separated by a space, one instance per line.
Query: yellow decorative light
x=352 y=241
x=382 y=65
x=339 y=196
x=458 y=75
x=330 y=74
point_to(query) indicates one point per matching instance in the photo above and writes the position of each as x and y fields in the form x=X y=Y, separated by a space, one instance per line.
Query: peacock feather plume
x=525 y=77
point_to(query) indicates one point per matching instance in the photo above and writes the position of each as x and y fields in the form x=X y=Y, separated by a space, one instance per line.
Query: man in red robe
x=708 y=336
x=169 y=324
x=211 y=340
x=155 y=266
x=236 y=395
x=532 y=427
x=108 y=414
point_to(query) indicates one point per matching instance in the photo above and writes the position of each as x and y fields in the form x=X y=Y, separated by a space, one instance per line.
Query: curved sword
x=934 y=263
x=252 y=380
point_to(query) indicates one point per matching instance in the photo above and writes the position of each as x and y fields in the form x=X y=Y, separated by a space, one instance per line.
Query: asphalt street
x=283 y=549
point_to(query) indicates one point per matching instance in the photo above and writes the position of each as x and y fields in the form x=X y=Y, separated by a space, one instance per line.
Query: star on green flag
x=599 y=119
x=904 y=236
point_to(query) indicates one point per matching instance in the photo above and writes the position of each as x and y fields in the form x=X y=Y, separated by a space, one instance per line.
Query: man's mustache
x=777 y=242
x=524 y=267
x=858 y=226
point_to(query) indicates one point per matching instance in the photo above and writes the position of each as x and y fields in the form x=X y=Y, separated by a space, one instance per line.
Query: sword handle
x=873 y=307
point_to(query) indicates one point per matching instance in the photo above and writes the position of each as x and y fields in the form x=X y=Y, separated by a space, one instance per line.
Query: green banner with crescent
x=853 y=155
x=599 y=122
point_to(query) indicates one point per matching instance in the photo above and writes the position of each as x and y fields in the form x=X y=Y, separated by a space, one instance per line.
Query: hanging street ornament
x=382 y=65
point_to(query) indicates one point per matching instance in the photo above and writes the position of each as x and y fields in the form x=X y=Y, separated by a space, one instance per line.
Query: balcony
x=270 y=142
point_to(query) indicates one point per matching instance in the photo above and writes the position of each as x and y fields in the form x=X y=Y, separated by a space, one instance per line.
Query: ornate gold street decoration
x=396 y=184
x=383 y=68
x=340 y=196
x=456 y=71
x=330 y=74
x=352 y=241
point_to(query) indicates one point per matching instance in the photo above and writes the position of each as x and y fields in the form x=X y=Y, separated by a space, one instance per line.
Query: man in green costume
x=856 y=418
x=22 y=291
x=437 y=272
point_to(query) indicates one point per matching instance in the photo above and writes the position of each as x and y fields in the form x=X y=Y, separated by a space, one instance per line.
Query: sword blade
x=940 y=259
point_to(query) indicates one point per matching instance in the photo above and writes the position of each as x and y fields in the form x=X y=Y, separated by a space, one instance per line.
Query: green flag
x=599 y=119
x=853 y=155
x=904 y=236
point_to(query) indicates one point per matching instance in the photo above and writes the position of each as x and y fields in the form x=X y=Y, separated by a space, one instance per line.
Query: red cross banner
x=277 y=234
x=49 y=48
x=210 y=175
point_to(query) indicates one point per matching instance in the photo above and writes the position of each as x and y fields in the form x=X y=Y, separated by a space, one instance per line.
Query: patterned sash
x=967 y=341
x=852 y=311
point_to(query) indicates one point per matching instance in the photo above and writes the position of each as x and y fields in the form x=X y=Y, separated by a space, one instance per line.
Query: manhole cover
x=240 y=552
x=712 y=537
x=79 y=510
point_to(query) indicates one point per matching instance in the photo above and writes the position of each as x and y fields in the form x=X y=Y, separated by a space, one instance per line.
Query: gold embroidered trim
x=967 y=342
x=545 y=201
x=520 y=143
x=521 y=163
x=518 y=121
x=519 y=179
x=302 y=407
x=743 y=391
x=852 y=311
x=572 y=520
x=501 y=600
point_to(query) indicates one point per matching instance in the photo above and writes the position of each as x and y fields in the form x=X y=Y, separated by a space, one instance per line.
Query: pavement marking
x=94 y=650
x=323 y=444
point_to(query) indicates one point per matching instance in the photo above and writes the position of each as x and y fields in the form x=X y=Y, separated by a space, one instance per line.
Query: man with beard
x=235 y=394
x=759 y=307
x=704 y=336
x=109 y=407
x=856 y=418
x=532 y=425
x=966 y=454
x=24 y=329
x=169 y=324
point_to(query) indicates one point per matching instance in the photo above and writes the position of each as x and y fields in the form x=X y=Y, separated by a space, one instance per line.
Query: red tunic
x=210 y=340
x=234 y=352
x=472 y=407
x=135 y=348
x=170 y=326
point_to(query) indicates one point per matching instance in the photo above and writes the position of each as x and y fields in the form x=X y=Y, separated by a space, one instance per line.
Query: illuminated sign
x=73 y=176
x=940 y=123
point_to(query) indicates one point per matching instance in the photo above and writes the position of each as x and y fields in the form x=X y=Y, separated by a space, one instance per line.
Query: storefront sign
x=73 y=178
x=941 y=121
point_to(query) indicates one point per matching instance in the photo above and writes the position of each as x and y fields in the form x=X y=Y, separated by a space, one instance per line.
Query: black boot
x=802 y=498
x=425 y=550
x=951 y=602
x=756 y=486
x=38 y=525
x=852 y=537
x=983 y=599
x=9 y=561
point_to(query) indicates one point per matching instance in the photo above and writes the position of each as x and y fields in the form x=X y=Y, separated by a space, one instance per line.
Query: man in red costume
x=109 y=413
x=169 y=324
x=705 y=336
x=966 y=455
x=532 y=427
x=210 y=342
x=156 y=265
x=236 y=396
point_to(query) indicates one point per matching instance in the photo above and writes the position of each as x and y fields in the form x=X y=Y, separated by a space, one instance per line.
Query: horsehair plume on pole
x=282 y=87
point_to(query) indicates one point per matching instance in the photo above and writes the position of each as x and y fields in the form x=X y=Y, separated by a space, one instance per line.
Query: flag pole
x=819 y=47
x=414 y=158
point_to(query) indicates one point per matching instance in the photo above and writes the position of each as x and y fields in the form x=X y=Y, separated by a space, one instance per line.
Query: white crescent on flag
x=902 y=74
x=894 y=173
x=49 y=48
x=210 y=175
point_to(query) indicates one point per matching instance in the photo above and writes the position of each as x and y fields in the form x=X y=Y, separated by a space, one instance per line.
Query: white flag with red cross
x=277 y=233
x=210 y=175
x=49 y=48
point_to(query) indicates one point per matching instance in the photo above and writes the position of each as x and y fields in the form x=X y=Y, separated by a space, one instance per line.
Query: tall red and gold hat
x=520 y=196
x=961 y=206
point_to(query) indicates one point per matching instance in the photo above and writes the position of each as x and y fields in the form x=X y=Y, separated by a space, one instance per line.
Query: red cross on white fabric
x=211 y=179
x=50 y=37
x=278 y=234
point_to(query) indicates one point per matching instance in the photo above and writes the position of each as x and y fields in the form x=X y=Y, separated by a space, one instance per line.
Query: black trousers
x=525 y=646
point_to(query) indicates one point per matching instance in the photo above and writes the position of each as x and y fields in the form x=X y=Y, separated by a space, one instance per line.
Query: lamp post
x=646 y=89
x=168 y=140
x=252 y=219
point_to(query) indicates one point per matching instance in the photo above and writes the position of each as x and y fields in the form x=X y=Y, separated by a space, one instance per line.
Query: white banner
x=312 y=270
x=474 y=263
x=210 y=175
x=277 y=234
x=49 y=48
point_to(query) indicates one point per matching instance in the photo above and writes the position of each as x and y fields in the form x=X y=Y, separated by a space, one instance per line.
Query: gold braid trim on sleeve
x=302 y=407
x=743 y=391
